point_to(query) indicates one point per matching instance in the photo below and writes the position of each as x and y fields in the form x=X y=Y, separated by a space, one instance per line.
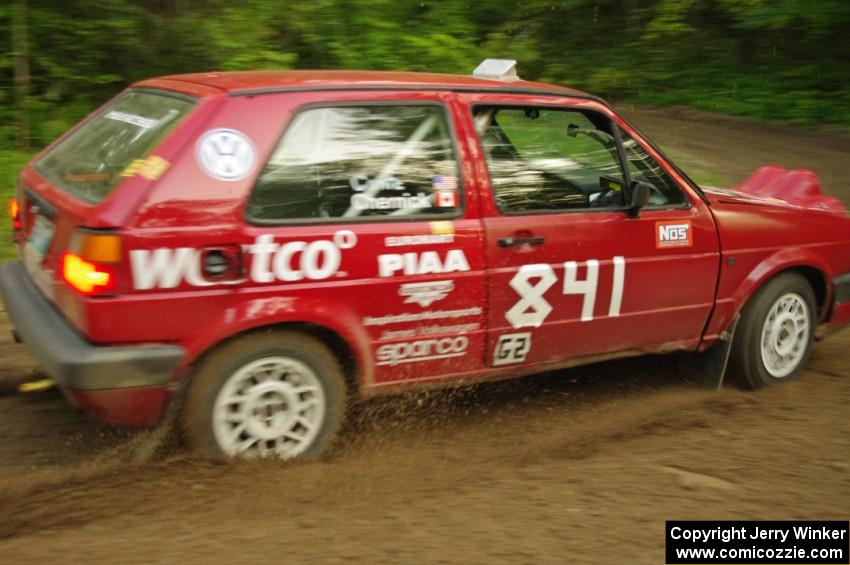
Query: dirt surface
x=582 y=466
x=723 y=151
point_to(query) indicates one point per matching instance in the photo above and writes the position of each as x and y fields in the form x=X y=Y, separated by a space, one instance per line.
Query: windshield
x=94 y=159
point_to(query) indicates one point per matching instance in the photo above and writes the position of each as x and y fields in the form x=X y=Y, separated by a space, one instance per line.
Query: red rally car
x=264 y=246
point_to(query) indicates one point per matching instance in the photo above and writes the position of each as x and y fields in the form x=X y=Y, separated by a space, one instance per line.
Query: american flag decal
x=444 y=183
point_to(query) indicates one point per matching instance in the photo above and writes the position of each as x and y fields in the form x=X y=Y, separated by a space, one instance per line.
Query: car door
x=362 y=214
x=570 y=273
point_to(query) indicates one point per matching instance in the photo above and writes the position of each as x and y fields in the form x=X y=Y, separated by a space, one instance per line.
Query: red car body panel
x=761 y=238
x=649 y=299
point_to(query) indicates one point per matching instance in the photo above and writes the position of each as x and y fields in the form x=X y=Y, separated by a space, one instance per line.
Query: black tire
x=747 y=364
x=224 y=363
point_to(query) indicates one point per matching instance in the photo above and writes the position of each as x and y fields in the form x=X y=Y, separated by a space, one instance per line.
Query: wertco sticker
x=266 y=261
x=226 y=154
x=673 y=234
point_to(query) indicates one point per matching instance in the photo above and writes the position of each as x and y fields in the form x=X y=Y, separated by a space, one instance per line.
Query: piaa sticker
x=226 y=154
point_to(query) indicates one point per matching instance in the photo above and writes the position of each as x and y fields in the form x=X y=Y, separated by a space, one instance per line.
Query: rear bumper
x=74 y=363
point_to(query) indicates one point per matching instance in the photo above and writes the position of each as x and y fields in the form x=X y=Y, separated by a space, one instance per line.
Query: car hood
x=746 y=220
x=774 y=186
x=720 y=196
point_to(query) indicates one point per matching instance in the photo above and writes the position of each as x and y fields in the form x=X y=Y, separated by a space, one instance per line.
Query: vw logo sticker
x=226 y=154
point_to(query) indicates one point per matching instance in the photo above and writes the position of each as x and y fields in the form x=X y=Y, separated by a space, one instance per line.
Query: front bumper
x=74 y=363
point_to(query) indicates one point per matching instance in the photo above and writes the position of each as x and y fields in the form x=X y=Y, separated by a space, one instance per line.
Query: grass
x=11 y=163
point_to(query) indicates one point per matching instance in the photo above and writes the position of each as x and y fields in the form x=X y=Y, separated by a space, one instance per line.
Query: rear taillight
x=15 y=214
x=91 y=265
x=85 y=276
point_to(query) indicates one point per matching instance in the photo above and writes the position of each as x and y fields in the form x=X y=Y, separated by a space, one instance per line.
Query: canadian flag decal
x=446 y=199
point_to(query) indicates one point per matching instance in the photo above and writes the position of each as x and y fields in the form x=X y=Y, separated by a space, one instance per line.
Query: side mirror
x=639 y=192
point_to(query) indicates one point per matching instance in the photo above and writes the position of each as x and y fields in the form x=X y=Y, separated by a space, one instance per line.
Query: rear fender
x=276 y=311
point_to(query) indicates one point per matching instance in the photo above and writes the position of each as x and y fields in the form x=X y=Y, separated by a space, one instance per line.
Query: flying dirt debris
x=454 y=475
x=254 y=285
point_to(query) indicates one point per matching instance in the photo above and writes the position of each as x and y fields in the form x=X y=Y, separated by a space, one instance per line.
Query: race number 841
x=532 y=281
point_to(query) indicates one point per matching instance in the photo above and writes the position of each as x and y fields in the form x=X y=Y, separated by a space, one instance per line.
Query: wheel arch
x=730 y=303
x=812 y=271
x=351 y=361
x=748 y=360
x=818 y=281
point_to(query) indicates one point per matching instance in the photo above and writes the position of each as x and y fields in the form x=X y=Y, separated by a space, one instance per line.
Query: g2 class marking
x=424 y=263
x=422 y=350
x=269 y=261
x=532 y=309
x=512 y=348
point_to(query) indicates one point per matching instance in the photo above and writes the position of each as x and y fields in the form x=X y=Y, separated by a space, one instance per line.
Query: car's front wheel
x=273 y=394
x=774 y=339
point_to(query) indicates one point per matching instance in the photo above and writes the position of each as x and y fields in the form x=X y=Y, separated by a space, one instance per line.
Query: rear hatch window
x=89 y=162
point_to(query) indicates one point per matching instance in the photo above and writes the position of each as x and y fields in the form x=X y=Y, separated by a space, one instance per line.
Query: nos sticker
x=673 y=234
x=226 y=154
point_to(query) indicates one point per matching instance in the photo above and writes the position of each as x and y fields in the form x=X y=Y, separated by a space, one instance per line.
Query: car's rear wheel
x=774 y=339
x=276 y=394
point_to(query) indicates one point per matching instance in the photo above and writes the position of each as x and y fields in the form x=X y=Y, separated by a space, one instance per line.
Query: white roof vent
x=504 y=69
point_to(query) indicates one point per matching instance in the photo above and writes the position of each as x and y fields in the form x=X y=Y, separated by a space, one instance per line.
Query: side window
x=644 y=168
x=362 y=163
x=546 y=159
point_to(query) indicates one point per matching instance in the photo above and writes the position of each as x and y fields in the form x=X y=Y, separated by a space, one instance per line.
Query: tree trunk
x=20 y=50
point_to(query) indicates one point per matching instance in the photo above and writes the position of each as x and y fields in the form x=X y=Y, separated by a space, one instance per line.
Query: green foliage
x=772 y=59
x=11 y=162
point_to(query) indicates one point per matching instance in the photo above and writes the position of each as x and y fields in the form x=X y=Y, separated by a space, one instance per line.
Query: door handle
x=511 y=241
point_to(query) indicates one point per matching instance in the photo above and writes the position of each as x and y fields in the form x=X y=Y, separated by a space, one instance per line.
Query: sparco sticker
x=422 y=350
x=226 y=154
